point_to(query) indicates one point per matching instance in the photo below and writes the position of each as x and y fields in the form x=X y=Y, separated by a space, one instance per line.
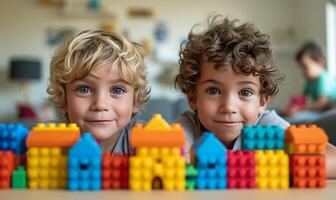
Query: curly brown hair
x=224 y=43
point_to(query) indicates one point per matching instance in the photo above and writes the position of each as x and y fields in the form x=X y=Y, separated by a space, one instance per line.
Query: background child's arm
x=331 y=161
x=320 y=104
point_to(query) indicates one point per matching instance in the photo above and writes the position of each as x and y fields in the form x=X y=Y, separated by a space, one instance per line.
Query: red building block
x=7 y=165
x=115 y=171
x=241 y=169
x=308 y=171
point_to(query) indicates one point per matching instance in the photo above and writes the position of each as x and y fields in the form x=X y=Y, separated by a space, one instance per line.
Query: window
x=331 y=36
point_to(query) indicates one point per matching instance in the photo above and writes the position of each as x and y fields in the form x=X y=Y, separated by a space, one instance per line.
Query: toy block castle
x=47 y=160
x=158 y=161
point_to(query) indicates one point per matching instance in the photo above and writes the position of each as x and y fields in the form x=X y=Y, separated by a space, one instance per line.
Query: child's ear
x=192 y=101
x=264 y=100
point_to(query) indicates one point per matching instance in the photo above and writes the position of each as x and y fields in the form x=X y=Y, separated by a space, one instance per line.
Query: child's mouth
x=228 y=123
x=99 y=122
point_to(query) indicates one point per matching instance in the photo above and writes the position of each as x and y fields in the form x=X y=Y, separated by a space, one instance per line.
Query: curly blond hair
x=79 y=55
x=224 y=43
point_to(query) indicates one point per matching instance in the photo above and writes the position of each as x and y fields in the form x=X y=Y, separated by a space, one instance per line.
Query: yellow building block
x=165 y=164
x=47 y=167
x=272 y=169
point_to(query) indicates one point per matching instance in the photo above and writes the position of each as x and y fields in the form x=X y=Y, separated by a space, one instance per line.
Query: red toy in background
x=296 y=103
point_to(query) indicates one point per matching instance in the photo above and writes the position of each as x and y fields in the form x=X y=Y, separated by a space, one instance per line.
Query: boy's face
x=310 y=68
x=226 y=101
x=101 y=103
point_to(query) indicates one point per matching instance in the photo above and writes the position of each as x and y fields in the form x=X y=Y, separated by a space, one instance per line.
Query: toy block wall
x=7 y=166
x=241 y=169
x=308 y=171
x=13 y=138
x=262 y=137
x=272 y=169
x=115 y=171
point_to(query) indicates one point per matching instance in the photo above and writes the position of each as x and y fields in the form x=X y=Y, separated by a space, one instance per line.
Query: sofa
x=327 y=121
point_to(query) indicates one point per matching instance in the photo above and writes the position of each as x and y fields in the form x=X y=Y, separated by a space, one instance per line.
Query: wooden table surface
x=297 y=194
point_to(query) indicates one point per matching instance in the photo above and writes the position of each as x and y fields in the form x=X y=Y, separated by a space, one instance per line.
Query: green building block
x=19 y=178
x=191 y=174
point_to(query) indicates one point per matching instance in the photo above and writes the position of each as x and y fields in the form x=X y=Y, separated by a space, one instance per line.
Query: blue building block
x=84 y=168
x=262 y=137
x=13 y=138
x=211 y=156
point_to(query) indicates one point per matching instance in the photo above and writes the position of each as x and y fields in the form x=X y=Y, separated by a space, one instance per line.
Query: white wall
x=24 y=24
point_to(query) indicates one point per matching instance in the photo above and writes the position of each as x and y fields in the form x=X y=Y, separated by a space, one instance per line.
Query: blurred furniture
x=169 y=109
x=327 y=121
x=23 y=71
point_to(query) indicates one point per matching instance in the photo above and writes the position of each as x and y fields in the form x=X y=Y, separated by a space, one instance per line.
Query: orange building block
x=60 y=135
x=308 y=171
x=157 y=133
x=304 y=139
x=7 y=166
x=115 y=171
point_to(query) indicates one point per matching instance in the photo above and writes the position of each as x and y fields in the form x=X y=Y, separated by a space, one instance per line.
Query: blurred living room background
x=32 y=29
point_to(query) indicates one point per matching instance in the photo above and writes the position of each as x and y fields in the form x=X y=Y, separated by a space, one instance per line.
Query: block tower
x=12 y=149
x=84 y=164
x=272 y=163
x=306 y=146
x=115 y=171
x=210 y=162
x=158 y=161
x=47 y=159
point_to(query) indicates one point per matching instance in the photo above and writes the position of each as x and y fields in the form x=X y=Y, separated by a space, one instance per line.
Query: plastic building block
x=84 y=169
x=191 y=174
x=241 y=169
x=272 y=169
x=47 y=167
x=115 y=171
x=7 y=165
x=210 y=162
x=262 y=137
x=13 y=138
x=47 y=160
x=304 y=139
x=308 y=171
x=158 y=162
x=62 y=135
x=161 y=167
x=19 y=178
x=157 y=133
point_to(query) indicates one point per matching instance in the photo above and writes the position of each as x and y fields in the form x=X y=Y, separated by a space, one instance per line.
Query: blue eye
x=245 y=93
x=84 y=89
x=118 y=90
x=213 y=91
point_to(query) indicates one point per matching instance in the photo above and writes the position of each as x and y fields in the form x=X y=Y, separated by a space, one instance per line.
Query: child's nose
x=228 y=104
x=99 y=103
